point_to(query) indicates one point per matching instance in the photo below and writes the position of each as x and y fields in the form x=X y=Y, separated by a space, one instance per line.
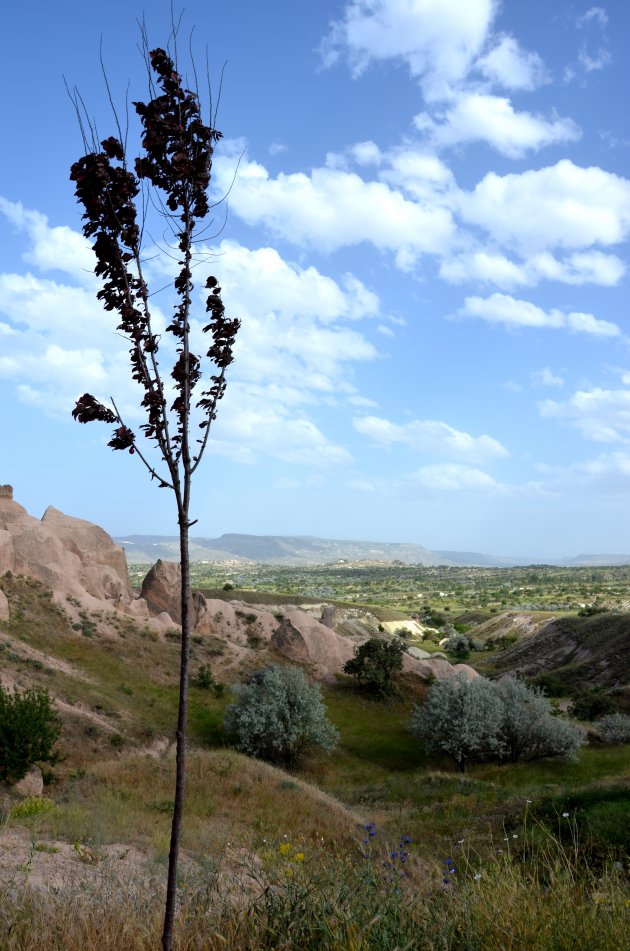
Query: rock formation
x=288 y=640
x=68 y=555
x=103 y=564
x=161 y=589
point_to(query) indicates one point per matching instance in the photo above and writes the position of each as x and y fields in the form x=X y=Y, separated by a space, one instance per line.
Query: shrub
x=529 y=730
x=459 y=718
x=457 y=644
x=551 y=683
x=204 y=680
x=32 y=806
x=374 y=662
x=29 y=729
x=482 y=719
x=591 y=704
x=279 y=716
x=614 y=728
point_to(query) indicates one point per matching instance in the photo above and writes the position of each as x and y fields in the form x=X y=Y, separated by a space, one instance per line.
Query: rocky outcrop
x=32 y=784
x=103 y=564
x=288 y=640
x=4 y=607
x=68 y=555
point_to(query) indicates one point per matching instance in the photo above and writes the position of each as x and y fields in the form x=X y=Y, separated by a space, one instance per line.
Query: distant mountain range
x=307 y=550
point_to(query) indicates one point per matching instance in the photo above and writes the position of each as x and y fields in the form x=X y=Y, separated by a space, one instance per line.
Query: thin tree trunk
x=180 y=774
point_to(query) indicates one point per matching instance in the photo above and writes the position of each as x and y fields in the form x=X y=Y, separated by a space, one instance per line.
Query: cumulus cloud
x=508 y=65
x=561 y=206
x=51 y=248
x=296 y=348
x=438 y=40
x=333 y=208
x=451 y=477
x=601 y=415
x=512 y=230
x=487 y=267
x=481 y=117
x=511 y=312
x=432 y=437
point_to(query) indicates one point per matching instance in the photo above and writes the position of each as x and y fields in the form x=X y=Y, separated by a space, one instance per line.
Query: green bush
x=279 y=716
x=374 y=662
x=32 y=806
x=591 y=704
x=29 y=729
x=204 y=680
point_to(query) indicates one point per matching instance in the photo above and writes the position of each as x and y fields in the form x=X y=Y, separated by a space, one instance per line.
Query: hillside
x=580 y=651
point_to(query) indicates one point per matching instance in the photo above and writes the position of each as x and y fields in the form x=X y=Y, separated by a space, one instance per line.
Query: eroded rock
x=288 y=640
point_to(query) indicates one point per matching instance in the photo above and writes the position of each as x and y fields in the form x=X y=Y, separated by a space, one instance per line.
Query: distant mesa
x=306 y=550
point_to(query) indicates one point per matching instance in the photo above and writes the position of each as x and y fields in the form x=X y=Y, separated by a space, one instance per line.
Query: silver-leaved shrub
x=279 y=716
x=502 y=720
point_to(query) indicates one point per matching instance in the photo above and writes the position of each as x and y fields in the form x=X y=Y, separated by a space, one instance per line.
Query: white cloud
x=546 y=377
x=432 y=437
x=51 y=249
x=594 y=53
x=484 y=266
x=512 y=67
x=332 y=208
x=438 y=40
x=561 y=206
x=595 y=15
x=592 y=62
x=251 y=426
x=455 y=478
x=581 y=267
x=481 y=117
x=511 y=312
x=517 y=229
x=366 y=153
x=296 y=348
x=600 y=415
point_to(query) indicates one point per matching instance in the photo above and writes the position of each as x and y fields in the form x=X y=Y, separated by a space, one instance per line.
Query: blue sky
x=427 y=244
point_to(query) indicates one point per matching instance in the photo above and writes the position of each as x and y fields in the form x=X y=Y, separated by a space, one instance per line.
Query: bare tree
x=173 y=172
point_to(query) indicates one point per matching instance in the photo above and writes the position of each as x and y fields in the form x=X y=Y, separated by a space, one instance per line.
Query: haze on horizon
x=427 y=243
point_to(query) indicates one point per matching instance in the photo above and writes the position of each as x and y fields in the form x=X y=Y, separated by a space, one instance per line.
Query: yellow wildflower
x=285 y=848
x=299 y=857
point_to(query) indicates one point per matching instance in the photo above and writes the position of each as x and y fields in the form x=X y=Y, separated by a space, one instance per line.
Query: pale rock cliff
x=68 y=555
